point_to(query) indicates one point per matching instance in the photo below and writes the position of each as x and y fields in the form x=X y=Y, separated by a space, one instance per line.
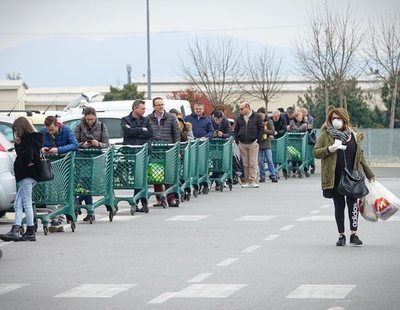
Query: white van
x=125 y=107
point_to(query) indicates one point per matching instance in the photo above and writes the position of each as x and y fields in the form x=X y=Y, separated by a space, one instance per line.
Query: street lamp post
x=148 y=53
x=129 y=71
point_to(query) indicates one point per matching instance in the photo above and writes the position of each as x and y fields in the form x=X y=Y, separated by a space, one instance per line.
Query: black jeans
x=339 y=202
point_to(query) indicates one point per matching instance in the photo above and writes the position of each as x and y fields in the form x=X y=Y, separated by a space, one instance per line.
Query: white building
x=16 y=94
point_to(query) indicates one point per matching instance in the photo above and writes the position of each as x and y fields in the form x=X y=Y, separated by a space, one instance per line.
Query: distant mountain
x=74 y=61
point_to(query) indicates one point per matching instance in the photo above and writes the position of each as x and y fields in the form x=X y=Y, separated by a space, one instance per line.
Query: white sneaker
x=245 y=185
x=254 y=185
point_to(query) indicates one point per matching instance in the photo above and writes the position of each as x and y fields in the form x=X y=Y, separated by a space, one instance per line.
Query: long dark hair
x=22 y=126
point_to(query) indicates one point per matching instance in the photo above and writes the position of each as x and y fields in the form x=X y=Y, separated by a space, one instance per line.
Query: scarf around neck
x=338 y=134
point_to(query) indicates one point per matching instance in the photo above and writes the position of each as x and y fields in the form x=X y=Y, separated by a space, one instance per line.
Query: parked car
x=8 y=187
x=6 y=127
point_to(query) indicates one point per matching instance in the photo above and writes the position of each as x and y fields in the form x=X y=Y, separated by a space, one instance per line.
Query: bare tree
x=214 y=69
x=383 y=51
x=326 y=54
x=263 y=76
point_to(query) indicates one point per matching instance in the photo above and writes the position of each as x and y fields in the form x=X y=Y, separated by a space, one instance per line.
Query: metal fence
x=381 y=146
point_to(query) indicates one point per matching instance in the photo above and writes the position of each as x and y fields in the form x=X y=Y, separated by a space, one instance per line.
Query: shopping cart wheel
x=45 y=230
x=307 y=174
x=145 y=206
x=73 y=226
x=1 y=253
x=300 y=175
x=195 y=192
x=133 y=209
x=230 y=186
x=111 y=215
x=285 y=174
x=91 y=218
x=205 y=190
x=312 y=170
x=164 y=203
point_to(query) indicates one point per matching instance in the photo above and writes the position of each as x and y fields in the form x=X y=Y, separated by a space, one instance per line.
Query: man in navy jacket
x=201 y=124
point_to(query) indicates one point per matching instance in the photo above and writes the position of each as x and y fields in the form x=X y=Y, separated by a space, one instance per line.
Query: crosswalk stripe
x=317 y=218
x=227 y=262
x=7 y=287
x=321 y=291
x=271 y=237
x=251 y=249
x=256 y=218
x=96 y=290
x=200 y=277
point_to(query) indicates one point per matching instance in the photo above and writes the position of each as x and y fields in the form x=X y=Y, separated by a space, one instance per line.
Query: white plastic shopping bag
x=383 y=201
x=367 y=208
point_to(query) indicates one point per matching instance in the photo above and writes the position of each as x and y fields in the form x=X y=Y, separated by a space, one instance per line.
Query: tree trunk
x=326 y=93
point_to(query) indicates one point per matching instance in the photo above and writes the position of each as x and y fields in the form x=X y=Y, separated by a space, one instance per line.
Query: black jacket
x=280 y=127
x=250 y=132
x=135 y=135
x=28 y=153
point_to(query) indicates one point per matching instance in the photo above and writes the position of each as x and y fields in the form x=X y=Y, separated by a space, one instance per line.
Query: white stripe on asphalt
x=6 y=287
x=256 y=218
x=314 y=212
x=271 y=237
x=187 y=218
x=317 y=218
x=200 y=277
x=96 y=290
x=209 y=290
x=251 y=248
x=162 y=298
x=287 y=227
x=227 y=262
x=321 y=291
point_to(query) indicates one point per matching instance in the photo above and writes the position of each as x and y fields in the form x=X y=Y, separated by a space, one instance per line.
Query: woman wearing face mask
x=337 y=127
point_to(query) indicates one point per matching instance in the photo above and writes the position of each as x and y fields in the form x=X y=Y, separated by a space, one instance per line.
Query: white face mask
x=337 y=123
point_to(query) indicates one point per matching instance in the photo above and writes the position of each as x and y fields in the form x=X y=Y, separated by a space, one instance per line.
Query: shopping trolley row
x=124 y=173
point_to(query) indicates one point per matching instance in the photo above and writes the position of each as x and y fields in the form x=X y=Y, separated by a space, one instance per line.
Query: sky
x=90 y=42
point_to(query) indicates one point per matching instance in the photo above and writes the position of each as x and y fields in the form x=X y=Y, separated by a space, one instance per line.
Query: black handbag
x=44 y=170
x=352 y=182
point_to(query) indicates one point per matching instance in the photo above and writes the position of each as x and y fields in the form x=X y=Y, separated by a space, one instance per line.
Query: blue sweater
x=201 y=126
x=65 y=140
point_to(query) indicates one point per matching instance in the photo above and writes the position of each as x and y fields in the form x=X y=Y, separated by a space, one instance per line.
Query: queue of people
x=253 y=133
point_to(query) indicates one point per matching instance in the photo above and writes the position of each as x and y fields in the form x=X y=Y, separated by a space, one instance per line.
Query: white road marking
x=256 y=218
x=119 y=218
x=314 y=212
x=227 y=262
x=200 y=277
x=271 y=237
x=162 y=298
x=209 y=290
x=287 y=227
x=188 y=218
x=251 y=248
x=96 y=290
x=6 y=287
x=321 y=291
x=326 y=206
x=317 y=218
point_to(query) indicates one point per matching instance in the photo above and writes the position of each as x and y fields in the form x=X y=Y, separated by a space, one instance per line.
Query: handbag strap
x=345 y=160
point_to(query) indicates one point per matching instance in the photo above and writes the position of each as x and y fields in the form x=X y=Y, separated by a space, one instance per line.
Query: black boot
x=29 y=235
x=12 y=235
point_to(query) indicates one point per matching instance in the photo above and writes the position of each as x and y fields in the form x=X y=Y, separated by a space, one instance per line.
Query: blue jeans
x=265 y=155
x=23 y=201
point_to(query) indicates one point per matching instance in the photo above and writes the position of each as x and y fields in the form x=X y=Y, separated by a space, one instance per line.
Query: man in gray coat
x=165 y=129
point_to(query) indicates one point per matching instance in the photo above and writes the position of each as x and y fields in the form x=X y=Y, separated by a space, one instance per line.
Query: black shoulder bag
x=352 y=182
x=44 y=170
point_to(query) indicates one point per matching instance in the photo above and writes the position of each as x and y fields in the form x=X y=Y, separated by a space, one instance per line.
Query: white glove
x=333 y=148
